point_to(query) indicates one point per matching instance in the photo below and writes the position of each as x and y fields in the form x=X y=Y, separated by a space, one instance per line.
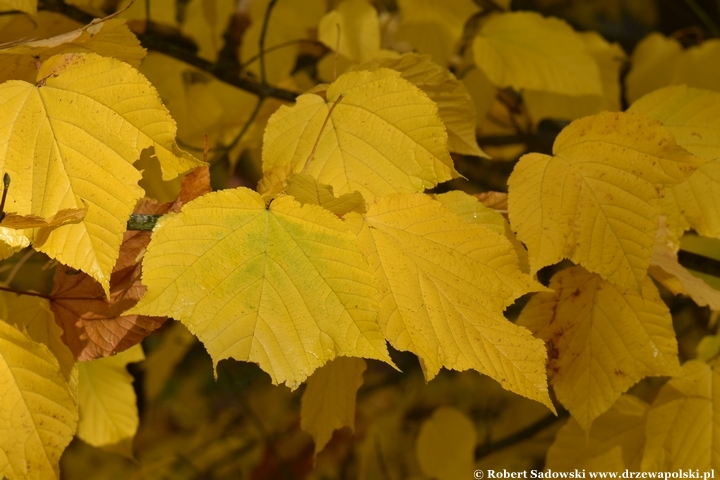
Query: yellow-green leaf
x=284 y=286
x=682 y=423
x=356 y=22
x=445 y=446
x=382 y=136
x=434 y=27
x=38 y=413
x=107 y=402
x=328 y=402
x=526 y=50
x=693 y=117
x=444 y=284
x=205 y=22
x=595 y=201
x=85 y=138
x=623 y=426
x=305 y=189
x=455 y=105
x=606 y=339
x=110 y=38
x=610 y=58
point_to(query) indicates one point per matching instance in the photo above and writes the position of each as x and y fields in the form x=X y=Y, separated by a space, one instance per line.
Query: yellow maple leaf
x=375 y=133
x=682 y=429
x=454 y=103
x=595 y=201
x=290 y=21
x=109 y=37
x=38 y=413
x=284 y=286
x=445 y=446
x=444 y=284
x=86 y=138
x=434 y=27
x=107 y=402
x=27 y=6
x=693 y=117
x=525 y=50
x=206 y=22
x=610 y=58
x=305 y=189
x=606 y=339
x=356 y=22
x=328 y=402
x=623 y=427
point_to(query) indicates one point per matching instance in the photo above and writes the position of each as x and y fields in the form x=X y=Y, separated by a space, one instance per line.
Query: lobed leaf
x=444 y=284
x=604 y=338
x=283 y=286
x=83 y=125
x=595 y=201
x=38 y=413
x=382 y=136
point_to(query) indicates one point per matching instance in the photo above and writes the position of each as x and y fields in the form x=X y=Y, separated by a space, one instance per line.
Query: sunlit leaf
x=444 y=284
x=38 y=413
x=595 y=201
x=383 y=135
x=107 y=402
x=604 y=338
x=454 y=103
x=88 y=146
x=328 y=402
x=285 y=287
x=305 y=189
x=110 y=38
x=525 y=50
x=20 y=222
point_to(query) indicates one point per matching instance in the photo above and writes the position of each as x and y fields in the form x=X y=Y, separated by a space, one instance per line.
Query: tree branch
x=528 y=432
x=182 y=49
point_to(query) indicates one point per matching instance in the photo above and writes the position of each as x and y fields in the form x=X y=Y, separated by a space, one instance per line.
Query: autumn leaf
x=161 y=362
x=88 y=146
x=328 y=402
x=38 y=413
x=452 y=98
x=356 y=23
x=682 y=430
x=93 y=324
x=622 y=426
x=285 y=287
x=409 y=156
x=21 y=222
x=108 y=37
x=525 y=50
x=605 y=339
x=305 y=189
x=434 y=27
x=446 y=443
x=107 y=402
x=27 y=6
x=595 y=201
x=692 y=115
x=442 y=294
x=665 y=268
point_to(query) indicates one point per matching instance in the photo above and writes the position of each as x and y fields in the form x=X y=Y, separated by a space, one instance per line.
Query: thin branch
x=699 y=263
x=263 y=34
x=278 y=46
x=243 y=131
x=23 y=292
x=528 y=432
x=180 y=48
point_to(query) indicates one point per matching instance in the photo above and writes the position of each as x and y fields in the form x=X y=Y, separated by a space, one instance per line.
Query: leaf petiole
x=6 y=187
